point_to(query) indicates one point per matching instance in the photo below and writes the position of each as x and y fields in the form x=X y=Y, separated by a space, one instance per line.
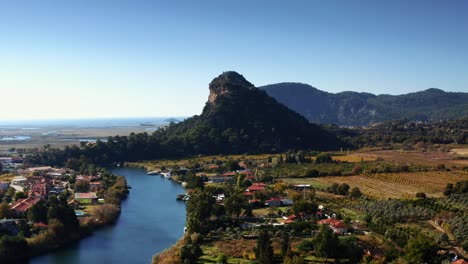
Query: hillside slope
x=352 y=108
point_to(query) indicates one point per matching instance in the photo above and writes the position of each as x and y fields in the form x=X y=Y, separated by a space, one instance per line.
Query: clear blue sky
x=116 y=58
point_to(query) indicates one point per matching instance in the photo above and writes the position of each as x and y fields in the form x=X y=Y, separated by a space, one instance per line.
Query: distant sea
x=87 y=122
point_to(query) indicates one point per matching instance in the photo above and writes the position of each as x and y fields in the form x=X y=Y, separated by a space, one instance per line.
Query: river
x=151 y=221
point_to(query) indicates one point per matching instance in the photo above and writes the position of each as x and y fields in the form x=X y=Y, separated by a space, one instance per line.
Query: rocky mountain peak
x=227 y=83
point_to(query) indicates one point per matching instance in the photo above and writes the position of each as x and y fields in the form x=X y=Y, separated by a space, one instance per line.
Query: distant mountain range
x=239 y=118
x=353 y=108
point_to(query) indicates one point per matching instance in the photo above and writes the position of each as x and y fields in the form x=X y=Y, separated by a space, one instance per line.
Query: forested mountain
x=352 y=108
x=241 y=118
x=238 y=118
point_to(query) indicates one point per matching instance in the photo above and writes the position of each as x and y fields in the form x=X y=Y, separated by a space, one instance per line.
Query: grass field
x=391 y=185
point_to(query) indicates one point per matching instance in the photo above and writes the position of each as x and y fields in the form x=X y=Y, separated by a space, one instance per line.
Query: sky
x=135 y=58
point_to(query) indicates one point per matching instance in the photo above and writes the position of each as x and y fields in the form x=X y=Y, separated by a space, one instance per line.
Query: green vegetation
x=352 y=108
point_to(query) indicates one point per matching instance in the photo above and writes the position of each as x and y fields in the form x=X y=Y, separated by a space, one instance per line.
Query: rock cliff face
x=226 y=84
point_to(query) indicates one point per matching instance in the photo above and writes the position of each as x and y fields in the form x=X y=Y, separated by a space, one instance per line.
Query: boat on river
x=166 y=175
x=153 y=173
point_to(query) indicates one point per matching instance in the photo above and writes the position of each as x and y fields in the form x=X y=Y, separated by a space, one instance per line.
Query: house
x=289 y=219
x=249 y=175
x=38 y=189
x=89 y=197
x=256 y=187
x=286 y=202
x=40 y=169
x=255 y=203
x=273 y=202
x=17 y=160
x=20 y=181
x=460 y=261
x=22 y=205
x=4 y=185
x=9 y=226
x=220 y=179
x=229 y=174
x=6 y=160
x=338 y=226
x=94 y=186
x=40 y=225
x=301 y=187
x=212 y=167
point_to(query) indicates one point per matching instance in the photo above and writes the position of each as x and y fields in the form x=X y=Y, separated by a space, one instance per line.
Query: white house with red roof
x=338 y=226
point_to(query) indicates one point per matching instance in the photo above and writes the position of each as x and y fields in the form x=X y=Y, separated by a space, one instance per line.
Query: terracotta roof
x=256 y=187
x=460 y=261
x=40 y=224
x=293 y=216
x=22 y=205
x=273 y=199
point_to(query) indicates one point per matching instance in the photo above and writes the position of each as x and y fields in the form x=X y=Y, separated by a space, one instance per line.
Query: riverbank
x=106 y=214
x=150 y=221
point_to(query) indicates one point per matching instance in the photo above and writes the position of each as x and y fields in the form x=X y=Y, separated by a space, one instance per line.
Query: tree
x=82 y=186
x=326 y=242
x=190 y=251
x=264 y=250
x=232 y=165
x=38 y=212
x=323 y=158
x=312 y=173
x=421 y=249
x=343 y=189
x=106 y=213
x=5 y=211
x=355 y=193
x=235 y=203
x=421 y=195
x=194 y=182
x=11 y=192
x=20 y=195
x=199 y=209
x=302 y=206
x=443 y=239
x=13 y=249
x=285 y=244
x=221 y=259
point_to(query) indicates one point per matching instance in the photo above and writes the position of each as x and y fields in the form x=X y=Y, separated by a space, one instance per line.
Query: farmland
x=391 y=185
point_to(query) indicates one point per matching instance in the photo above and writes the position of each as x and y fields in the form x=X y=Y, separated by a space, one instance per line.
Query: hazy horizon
x=128 y=59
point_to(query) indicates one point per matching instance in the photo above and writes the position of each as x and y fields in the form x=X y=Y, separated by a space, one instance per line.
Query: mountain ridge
x=351 y=108
x=239 y=118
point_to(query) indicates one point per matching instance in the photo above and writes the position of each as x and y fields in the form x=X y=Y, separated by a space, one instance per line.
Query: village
x=26 y=195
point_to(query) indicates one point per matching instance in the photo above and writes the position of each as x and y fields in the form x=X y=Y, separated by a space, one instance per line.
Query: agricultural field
x=428 y=158
x=391 y=185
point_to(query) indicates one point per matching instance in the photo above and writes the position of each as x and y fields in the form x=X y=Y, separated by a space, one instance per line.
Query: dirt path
x=459 y=250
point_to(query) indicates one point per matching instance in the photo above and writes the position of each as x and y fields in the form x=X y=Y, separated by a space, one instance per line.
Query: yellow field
x=392 y=185
x=353 y=158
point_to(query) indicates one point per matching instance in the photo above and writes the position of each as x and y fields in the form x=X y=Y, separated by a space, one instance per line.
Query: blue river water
x=151 y=221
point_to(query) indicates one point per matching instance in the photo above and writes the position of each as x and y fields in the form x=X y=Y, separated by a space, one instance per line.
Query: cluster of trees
x=341 y=189
x=412 y=135
x=460 y=187
x=326 y=244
